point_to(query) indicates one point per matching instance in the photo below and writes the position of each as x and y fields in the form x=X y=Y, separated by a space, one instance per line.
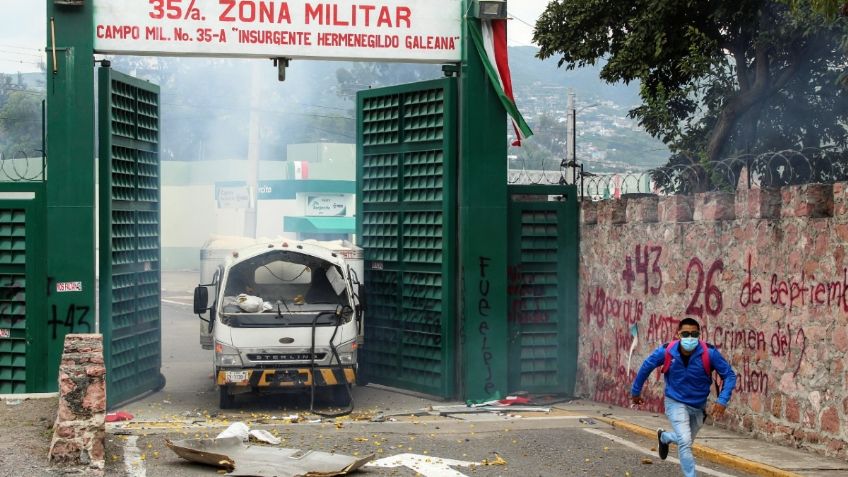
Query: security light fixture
x=73 y=3
x=490 y=9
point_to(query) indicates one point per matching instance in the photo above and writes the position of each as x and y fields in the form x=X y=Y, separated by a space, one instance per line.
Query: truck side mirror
x=201 y=299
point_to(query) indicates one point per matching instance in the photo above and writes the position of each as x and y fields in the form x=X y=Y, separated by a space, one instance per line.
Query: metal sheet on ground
x=259 y=461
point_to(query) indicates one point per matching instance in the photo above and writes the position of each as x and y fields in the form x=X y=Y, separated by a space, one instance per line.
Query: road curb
x=708 y=453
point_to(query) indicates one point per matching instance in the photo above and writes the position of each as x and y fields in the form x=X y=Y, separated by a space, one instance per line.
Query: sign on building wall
x=408 y=30
x=233 y=197
x=326 y=206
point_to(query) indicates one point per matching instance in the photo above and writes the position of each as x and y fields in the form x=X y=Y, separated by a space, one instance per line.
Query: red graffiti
x=605 y=308
x=751 y=380
x=713 y=302
x=730 y=339
x=654 y=275
x=614 y=388
x=791 y=293
x=783 y=341
x=751 y=291
x=600 y=361
x=527 y=302
x=662 y=328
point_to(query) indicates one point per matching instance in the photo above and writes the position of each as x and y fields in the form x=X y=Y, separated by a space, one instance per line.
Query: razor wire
x=688 y=174
x=22 y=166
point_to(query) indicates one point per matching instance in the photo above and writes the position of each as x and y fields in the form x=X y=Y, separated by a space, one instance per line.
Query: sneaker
x=662 y=448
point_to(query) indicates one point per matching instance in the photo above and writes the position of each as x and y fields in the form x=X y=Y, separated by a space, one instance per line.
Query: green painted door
x=406 y=222
x=23 y=329
x=129 y=235
x=542 y=288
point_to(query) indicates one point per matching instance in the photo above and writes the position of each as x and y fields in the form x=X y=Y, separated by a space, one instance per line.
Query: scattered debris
x=461 y=409
x=236 y=429
x=118 y=416
x=588 y=421
x=13 y=402
x=264 y=436
x=647 y=461
x=241 y=459
x=498 y=460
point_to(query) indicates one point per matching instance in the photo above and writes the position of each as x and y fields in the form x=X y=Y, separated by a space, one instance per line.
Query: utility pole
x=253 y=148
x=571 y=133
x=571 y=128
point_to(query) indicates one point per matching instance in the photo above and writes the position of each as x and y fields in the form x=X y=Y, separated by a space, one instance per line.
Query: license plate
x=235 y=376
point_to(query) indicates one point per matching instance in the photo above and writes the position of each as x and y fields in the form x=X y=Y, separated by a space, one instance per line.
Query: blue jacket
x=688 y=384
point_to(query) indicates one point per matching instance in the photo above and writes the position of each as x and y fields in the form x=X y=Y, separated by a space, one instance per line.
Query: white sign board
x=390 y=30
x=233 y=197
x=326 y=206
x=65 y=287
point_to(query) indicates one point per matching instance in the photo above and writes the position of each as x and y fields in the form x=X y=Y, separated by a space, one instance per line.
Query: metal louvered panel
x=13 y=348
x=406 y=165
x=130 y=234
x=542 y=288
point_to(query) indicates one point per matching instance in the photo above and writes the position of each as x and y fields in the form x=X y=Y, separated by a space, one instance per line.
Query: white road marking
x=423 y=465
x=132 y=458
x=172 y=302
x=636 y=447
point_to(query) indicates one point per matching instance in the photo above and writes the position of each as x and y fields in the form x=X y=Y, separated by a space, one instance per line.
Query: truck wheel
x=225 y=399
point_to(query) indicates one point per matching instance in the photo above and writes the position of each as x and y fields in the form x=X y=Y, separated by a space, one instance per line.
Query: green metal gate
x=542 y=288
x=129 y=235
x=406 y=222
x=23 y=333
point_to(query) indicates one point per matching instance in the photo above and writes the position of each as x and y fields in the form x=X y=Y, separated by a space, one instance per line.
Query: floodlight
x=490 y=9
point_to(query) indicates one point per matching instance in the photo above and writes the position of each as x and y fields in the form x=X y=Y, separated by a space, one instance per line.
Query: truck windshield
x=281 y=288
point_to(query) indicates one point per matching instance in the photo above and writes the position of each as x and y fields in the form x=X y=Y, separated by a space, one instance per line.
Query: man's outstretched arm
x=655 y=360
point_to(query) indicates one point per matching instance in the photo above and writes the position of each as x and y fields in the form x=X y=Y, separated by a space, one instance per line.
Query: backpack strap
x=705 y=358
x=667 y=361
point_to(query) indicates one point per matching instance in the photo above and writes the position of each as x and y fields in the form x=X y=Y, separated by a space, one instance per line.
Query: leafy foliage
x=718 y=77
x=20 y=123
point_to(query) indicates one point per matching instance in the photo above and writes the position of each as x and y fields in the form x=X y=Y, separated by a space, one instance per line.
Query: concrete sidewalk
x=718 y=445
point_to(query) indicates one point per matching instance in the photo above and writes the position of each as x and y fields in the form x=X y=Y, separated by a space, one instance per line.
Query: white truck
x=284 y=315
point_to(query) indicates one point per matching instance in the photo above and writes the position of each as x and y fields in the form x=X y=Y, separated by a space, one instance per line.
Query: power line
x=20 y=47
x=17 y=53
x=20 y=61
x=520 y=20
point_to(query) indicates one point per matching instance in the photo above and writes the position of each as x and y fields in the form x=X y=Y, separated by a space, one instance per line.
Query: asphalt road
x=556 y=444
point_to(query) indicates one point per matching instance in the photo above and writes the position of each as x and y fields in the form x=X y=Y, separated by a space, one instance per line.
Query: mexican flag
x=299 y=170
x=490 y=39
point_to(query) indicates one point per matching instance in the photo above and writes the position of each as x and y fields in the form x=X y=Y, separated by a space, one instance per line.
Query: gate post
x=482 y=227
x=70 y=184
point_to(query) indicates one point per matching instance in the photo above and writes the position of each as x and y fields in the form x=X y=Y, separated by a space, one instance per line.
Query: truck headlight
x=347 y=352
x=226 y=356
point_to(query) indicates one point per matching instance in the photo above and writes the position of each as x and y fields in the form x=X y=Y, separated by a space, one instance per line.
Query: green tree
x=20 y=124
x=717 y=77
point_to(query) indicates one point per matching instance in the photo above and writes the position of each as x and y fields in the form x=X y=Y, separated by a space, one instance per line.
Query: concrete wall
x=765 y=273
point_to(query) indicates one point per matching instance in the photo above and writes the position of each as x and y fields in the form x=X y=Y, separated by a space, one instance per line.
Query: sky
x=22 y=30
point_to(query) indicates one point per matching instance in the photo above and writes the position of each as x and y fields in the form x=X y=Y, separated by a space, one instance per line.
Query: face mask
x=688 y=344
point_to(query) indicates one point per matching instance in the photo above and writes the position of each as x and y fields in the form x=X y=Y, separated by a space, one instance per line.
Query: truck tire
x=225 y=399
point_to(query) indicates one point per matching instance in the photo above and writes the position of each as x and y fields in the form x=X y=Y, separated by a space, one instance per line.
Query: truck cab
x=283 y=315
